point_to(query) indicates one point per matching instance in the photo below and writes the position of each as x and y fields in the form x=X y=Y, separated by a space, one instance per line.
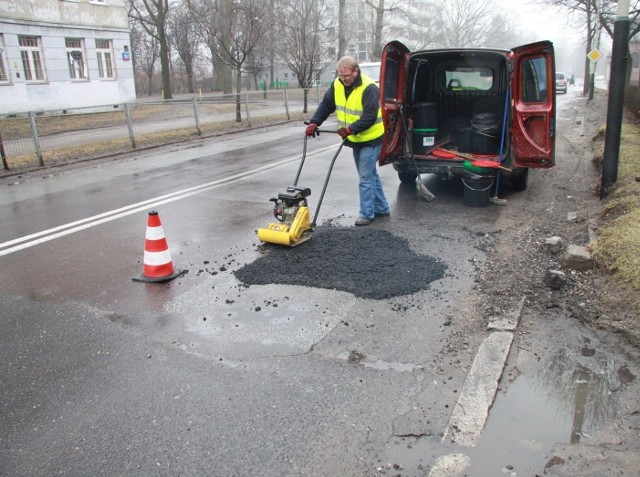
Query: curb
x=478 y=393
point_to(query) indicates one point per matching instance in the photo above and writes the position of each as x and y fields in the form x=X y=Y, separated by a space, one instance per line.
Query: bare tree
x=303 y=43
x=465 y=23
x=380 y=8
x=256 y=63
x=609 y=12
x=598 y=15
x=145 y=53
x=238 y=27
x=186 y=38
x=607 y=16
x=501 y=32
x=152 y=15
x=414 y=21
x=587 y=11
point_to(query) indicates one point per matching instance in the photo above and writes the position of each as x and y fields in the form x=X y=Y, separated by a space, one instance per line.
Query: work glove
x=312 y=130
x=344 y=132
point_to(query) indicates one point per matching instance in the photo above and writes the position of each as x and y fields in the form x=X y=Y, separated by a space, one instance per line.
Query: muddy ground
x=564 y=203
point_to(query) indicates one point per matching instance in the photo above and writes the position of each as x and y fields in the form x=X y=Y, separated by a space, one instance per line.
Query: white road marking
x=38 y=238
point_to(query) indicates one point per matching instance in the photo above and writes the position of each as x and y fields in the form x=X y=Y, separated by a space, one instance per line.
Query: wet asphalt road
x=202 y=375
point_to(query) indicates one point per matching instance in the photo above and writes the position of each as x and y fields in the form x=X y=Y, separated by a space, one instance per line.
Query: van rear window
x=534 y=80
x=468 y=78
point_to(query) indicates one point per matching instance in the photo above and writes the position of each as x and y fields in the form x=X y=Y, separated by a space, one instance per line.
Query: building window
x=31 y=54
x=75 y=57
x=105 y=59
x=4 y=77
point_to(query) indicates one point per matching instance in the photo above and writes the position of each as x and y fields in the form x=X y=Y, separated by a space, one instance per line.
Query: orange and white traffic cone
x=158 y=266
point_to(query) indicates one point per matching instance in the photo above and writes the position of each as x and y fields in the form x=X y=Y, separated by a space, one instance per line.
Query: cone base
x=144 y=278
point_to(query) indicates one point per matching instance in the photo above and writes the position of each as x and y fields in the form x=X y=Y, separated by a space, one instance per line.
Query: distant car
x=561 y=82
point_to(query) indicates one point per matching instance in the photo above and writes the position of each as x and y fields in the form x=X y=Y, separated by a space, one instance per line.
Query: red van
x=445 y=108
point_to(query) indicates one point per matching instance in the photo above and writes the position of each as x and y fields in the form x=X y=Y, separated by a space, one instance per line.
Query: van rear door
x=534 y=103
x=392 y=85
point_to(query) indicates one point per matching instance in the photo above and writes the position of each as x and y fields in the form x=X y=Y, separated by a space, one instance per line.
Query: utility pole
x=617 y=80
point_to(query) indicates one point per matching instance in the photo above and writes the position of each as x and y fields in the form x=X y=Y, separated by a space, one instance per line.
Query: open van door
x=392 y=83
x=534 y=105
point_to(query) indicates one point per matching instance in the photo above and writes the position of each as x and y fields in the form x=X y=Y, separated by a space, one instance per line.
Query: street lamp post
x=615 y=106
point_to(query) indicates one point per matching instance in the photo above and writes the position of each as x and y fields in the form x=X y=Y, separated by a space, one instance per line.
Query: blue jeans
x=372 y=199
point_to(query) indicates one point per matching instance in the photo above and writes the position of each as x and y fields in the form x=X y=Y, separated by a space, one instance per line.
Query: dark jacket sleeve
x=370 y=106
x=325 y=108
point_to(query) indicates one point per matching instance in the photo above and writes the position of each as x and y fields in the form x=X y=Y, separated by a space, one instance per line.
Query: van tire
x=519 y=179
x=407 y=177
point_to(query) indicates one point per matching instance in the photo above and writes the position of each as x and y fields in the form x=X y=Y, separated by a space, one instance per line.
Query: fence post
x=195 y=114
x=36 y=139
x=286 y=104
x=246 y=102
x=5 y=164
x=127 y=114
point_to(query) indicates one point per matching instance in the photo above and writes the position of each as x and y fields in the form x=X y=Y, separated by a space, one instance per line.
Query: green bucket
x=467 y=166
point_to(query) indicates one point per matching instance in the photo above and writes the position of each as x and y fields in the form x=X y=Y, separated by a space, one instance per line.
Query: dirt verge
x=563 y=203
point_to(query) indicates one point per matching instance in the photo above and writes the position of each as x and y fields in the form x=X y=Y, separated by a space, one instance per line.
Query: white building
x=62 y=54
x=406 y=21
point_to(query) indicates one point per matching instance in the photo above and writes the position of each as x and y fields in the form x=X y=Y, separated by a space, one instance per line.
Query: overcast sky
x=543 y=22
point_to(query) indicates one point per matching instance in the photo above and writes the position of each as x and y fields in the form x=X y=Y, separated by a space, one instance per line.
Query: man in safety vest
x=355 y=98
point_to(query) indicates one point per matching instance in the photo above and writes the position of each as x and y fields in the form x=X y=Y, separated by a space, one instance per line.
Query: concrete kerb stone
x=510 y=321
x=472 y=409
x=478 y=393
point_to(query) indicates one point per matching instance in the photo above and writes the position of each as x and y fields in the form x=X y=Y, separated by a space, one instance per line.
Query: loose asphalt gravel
x=366 y=262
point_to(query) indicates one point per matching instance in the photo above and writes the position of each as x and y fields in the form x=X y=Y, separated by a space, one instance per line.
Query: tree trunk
x=587 y=67
x=164 y=62
x=238 y=100
x=190 y=87
x=377 y=35
x=342 y=40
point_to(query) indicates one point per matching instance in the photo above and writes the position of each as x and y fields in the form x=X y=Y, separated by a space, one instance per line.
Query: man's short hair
x=347 y=62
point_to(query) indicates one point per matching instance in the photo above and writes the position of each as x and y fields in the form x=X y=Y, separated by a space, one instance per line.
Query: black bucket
x=485 y=133
x=463 y=140
x=425 y=116
x=485 y=143
x=477 y=188
x=421 y=139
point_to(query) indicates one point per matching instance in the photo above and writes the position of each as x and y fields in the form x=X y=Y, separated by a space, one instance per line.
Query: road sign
x=594 y=55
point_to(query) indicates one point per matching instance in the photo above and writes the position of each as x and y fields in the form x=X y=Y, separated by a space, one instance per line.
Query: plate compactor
x=292 y=210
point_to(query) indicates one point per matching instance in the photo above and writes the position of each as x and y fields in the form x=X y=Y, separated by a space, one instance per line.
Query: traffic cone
x=158 y=266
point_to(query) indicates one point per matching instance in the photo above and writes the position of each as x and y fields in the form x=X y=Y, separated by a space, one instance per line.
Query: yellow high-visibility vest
x=349 y=110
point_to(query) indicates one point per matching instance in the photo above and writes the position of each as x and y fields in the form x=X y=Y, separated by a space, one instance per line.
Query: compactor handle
x=322 y=130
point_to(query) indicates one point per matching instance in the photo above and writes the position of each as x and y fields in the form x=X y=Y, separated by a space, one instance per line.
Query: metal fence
x=44 y=138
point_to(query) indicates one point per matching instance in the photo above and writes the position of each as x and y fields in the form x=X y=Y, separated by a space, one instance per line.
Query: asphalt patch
x=367 y=262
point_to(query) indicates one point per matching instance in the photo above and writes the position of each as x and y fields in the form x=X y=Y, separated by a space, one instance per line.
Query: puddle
x=522 y=427
x=566 y=401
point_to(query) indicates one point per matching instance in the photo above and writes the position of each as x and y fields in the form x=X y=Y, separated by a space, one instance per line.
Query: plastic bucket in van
x=421 y=139
x=485 y=133
x=463 y=139
x=484 y=143
x=425 y=116
x=477 y=187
